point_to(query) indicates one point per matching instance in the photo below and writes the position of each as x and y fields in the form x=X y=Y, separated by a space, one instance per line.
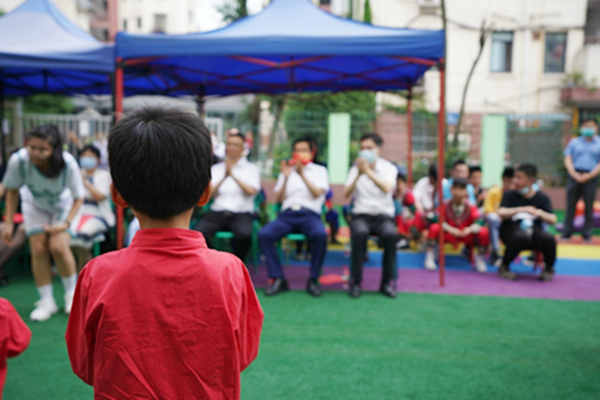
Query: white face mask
x=369 y=155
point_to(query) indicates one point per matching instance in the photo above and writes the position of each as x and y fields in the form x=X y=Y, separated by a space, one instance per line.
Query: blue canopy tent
x=41 y=51
x=292 y=46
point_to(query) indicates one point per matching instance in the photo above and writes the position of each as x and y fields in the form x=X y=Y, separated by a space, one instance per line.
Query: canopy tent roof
x=292 y=46
x=42 y=51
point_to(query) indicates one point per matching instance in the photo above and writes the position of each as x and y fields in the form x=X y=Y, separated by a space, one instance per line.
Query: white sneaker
x=430 y=261
x=480 y=264
x=68 y=302
x=43 y=310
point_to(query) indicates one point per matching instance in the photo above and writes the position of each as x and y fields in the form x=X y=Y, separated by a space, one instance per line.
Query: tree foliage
x=232 y=10
x=368 y=17
x=47 y=104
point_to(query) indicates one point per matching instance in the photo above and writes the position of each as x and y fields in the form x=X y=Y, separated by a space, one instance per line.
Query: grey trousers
x=575 y=191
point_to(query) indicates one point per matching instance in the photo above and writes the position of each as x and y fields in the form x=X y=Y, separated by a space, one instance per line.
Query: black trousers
x=240 y=224
x=575 y=191
x=517 y=240
x=361 y=227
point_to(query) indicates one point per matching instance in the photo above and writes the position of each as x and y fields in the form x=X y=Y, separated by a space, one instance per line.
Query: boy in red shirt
x=165 y=318
x=14 y=337
x=460 y=226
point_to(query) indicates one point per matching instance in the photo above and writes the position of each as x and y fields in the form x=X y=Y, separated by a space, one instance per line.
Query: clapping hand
x=286 y=170
x=362 y=165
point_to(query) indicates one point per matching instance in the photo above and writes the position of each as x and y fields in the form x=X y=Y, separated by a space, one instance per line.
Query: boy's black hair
x=238 y=135
x=160 y=160
x=509 y=172
x=52 y=135
x=473 y=169
x=305 y=139
x=433 y=172
x=90 y=148
x=458 y=162
x=460 y=183
x=374 y=137
x=528 y=169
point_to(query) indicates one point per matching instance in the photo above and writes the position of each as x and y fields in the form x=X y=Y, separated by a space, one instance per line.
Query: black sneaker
x=3 y=280
x=355 y=291
x=388 y=290
x=546 y=275
x=278 y=285
x=312 y=287
x=505 y=273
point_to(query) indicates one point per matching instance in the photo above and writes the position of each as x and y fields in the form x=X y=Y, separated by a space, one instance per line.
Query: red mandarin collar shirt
x=165 y=318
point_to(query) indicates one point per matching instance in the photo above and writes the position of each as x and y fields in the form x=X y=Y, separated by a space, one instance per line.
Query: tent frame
x=119 y=92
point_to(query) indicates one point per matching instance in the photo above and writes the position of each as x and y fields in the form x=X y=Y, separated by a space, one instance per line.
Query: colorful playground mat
x=577 y=275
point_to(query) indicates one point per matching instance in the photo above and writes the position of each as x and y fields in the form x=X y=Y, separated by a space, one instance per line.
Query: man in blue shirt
x=460 y=170
x=582 y=161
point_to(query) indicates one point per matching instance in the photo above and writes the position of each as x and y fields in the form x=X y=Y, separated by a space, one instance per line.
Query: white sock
x=430 y=254
x=69 y=283
x=46 y=292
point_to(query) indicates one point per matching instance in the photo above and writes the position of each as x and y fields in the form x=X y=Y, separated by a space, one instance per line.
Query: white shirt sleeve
x=321 y=179
x=279 y=183
x=74 y=181
x=391 y=176
x=352 y=174
x=254 y=177
x=102 y=182
x=217 y=173
x=13 y=179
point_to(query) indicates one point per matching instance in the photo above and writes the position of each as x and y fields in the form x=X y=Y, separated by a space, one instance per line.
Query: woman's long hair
x=52 y=135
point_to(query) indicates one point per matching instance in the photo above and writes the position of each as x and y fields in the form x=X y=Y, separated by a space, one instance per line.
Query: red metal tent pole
x=409 y=132
x=441 y=142
x=118 y=113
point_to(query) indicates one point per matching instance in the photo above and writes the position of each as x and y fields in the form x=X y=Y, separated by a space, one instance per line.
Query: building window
x=139 y=23
x=160 y=23
x=502 y=44
x=554 y=54
x=124 y=24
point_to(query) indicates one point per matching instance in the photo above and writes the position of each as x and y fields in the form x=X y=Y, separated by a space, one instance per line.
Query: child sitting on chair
x=460 y=227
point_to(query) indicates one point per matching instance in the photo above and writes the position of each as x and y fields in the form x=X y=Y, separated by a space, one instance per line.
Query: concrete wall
x=526 y=89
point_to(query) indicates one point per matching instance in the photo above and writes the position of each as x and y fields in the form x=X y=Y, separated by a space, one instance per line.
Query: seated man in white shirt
x=235 y=185
x=372 y=180
x=301 y=189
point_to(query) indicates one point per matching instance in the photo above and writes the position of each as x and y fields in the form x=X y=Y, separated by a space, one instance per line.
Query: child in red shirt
x=460 y=226
x=14 y=337
x=405 y=207
x=165 y=318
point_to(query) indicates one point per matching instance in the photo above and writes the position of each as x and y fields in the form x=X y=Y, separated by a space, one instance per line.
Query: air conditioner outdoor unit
x=429 y=3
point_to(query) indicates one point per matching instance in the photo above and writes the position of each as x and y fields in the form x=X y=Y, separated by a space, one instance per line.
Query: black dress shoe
x=279 y=285
x=355 y=291
x=312 y=287
x=388 y=290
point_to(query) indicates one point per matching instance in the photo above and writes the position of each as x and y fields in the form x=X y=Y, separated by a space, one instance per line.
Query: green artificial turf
x=415 y=347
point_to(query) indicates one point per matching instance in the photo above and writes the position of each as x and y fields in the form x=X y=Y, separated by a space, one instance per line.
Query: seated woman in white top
x=235 y=185
x=95 y=217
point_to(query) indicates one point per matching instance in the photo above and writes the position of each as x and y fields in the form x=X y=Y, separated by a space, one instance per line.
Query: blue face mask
x=369 y=155
x=587 y=132
x=88 y=163
x=524 y=191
